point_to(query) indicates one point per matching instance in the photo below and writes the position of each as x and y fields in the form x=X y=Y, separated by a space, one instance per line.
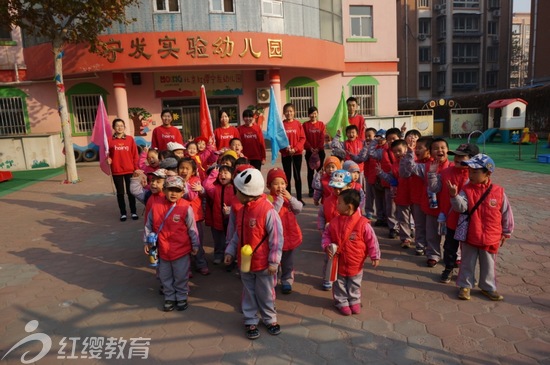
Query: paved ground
x=69 y=264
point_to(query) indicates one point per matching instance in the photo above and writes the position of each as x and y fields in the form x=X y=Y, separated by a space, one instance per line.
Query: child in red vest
x=321 y=181
x=386 y=161
x=173 y=222
x=288 y=207
x=489 y=225
x=355 y=241
x=255 y=224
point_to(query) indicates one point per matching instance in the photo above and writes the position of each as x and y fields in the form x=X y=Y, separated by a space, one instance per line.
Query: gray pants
x=433 y=247
x=258 y=295
x=200 y=257
x=369 y=199
x=346 y=290
x=466 y=273
x=419 y=226
x=403 y=215
x=219 y=243
x=174 y=276
x=390 y=209
x=287 y=267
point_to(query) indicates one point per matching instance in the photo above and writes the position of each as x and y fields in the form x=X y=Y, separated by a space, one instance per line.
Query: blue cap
x=480 y=161
x=339 y=179
x=381 y=133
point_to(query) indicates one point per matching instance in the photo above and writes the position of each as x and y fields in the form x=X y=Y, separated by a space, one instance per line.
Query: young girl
x=149 y=160
x=320 y=183
x=292 y=155
x=187 y=170
x=165 y=133
x=252 y=140
x=225 y=132
x=288 y=207
x=355 y=240
x=207 y=152
x=193 y=153
x=315 y=132
x=355 y=172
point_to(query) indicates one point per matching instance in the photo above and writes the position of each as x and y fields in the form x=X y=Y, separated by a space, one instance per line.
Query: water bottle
x=153 y=251
x=246 y=258
x=432 y=198
x=393 y=188
x=442 y=224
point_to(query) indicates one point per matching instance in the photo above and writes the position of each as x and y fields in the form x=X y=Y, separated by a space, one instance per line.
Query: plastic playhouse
x=505 y=116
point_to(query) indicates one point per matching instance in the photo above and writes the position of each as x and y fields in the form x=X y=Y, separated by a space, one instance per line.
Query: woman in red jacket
x=315 y=144
x=123 y=158
x=292 y=155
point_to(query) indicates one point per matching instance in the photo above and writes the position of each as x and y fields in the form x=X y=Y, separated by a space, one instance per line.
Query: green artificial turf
x=22 y=179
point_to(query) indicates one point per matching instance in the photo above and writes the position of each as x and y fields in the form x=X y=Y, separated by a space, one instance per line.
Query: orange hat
x=334 y=160
x=273 y=173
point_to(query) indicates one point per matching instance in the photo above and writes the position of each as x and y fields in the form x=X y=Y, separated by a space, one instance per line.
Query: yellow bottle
x=246 y=258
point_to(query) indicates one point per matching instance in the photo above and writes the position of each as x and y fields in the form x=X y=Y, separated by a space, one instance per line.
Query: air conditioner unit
x=436 y=60
x=263 y=95
x=422 y=37
x=437 y=7
x=496 y=12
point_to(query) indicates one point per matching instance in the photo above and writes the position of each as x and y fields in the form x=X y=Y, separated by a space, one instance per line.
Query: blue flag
x=275 y=130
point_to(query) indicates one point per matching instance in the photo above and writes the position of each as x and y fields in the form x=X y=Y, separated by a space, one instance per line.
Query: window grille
x=302 y=98
x=12 y=117
x=84 y=112
x=365 y=95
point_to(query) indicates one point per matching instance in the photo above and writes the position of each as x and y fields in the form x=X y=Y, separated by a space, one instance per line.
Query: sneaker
x=419 y=251
x=345 y=311
x=252 y=332
x=446 y=276
x=355 y=308
x=135 y=217
x=464 y=293
x=327 y=285
x=204 y=271
x=181 y=305
x=286 y=289
x=431 y=263
x=169 y=305
x=406 y=244
x=274 y=329
x=393 y=233
x=493 y=295
x=123 y=218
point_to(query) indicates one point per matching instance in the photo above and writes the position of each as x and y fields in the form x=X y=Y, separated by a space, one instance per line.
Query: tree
x=138 y=116
x=61 y=23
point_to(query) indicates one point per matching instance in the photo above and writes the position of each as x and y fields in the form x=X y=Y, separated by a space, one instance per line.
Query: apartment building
x=521 y=24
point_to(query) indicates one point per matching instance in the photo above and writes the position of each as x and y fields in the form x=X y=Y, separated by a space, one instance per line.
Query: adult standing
x=315 y=131
x=355 y=118
x=123 y=158
x=225 y=132
x=292 y=155
x=166 y=133
x=252 y=139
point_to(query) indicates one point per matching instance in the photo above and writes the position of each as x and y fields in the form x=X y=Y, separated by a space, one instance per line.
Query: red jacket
x=224 y=135
x=359 y=121
x=194 y=199
x=153 y=199
x=355 y=239
x=163 y=135
x=458 y=177
x=218 y=195
x=329 y=207
x=315 y=135
x=403 y=196
x=386 y=162
x=296 y=137
x=418 y=186
x=354 y=147
x=425 y=203
x=123 y=154
x=291 y=230
x=252 y=139
x=370 y=173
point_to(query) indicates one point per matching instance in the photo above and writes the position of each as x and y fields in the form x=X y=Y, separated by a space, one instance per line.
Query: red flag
x=102 y=129
x=207 y=130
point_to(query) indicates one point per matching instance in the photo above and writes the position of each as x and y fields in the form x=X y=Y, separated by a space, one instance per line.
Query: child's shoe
x=419 y=251
x=169 y=305
x=345 y=311
x=286 y=289
x=217 y=261
x=464 y=293
x=406 y=244
x=355 y=308
x=181 y=305
x=327 y=285
x=204 y=271
x=252 y=332
x=274 y=329
x=393 y=233
x=446 y=276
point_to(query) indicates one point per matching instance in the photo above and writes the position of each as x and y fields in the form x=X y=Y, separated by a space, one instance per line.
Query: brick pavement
x=69 y=263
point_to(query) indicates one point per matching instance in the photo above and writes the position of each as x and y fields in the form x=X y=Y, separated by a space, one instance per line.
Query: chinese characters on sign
x=171 y=84
x=103 y=348
x=197 y=47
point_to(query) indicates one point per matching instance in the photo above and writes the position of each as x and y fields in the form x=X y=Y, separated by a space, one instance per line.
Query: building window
x=361 y=21
x=492 y=54
x=516 y=112
x=465 y=53
x=425 y=26
x=425 y=80
x=222 y=6
x=492 y=79
x=466 y=24
x=516 y=29
x=167 y=6
x=466 y=3
x=12 y=116
x=5 y=32
x=423 y=3
x=465 y=80
x=272 y=8
x=492 y=28
x=424 y=54
x=302 y=97
x=330 y=20
x=84 y=109
x=365 y=95
x=494 y=4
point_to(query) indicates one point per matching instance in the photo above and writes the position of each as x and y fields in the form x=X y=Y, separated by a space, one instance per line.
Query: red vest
x=354 y=147
x=196 y=203
x=424 y=203
x=173 y=239
x=216 y=204
x=370 y=173
x=458 y=177
x=418 y=186
x=403 y=196
x=329 y=207
x=291 y=230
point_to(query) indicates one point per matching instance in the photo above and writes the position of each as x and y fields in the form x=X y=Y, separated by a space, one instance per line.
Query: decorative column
x=275 y=81
x=121 y=100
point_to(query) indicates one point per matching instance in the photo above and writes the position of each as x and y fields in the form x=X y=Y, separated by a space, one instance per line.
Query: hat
x=465 y=149
x=241 y=168
x=168 y=163
x=174 y=182
x=381 y=133
x=250 y=182
x=333 y=159
x=174 y=146
x=314 y=161
x=273 y=173
x=159 y=173
x=201 y=138
x=339 y=179
x=480 y=161
x=351 y=166
x=231 y=153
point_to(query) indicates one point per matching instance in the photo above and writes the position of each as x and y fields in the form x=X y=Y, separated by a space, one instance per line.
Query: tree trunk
x=70 y=162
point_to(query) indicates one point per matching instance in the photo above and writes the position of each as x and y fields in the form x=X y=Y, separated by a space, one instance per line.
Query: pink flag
x=207 y=130
x=102 y=129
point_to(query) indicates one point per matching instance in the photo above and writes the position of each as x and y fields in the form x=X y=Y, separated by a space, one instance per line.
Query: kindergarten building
x=307 y=51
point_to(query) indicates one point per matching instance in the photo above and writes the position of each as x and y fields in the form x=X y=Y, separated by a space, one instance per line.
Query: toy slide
x=487 y=136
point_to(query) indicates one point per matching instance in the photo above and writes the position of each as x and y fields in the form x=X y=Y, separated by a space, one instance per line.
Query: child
x=386 y=161
x=252 y=139
x=375 y=151
x=165 y=133
x=228 y=158
x=174 y=224
x=288 y=207
x=320 y=183
x=411 y=137
x=370 y=134
x=356 y=119
x=143 y=191
x=177 y=149
x=315 y=132
x=193 y=153
x=207 y=152
x=488 y=226
x=236 y=146
x=148 y=160
x=457 y=175
x=355 y=172
x=219 y=189
x=257 y=224
x=355 y=240
x=292 y=155
x=352 y=145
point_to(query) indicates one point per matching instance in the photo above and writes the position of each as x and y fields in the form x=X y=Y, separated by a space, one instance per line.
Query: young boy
x=354 y=118
x=352 y=145
x=320 y=183
x=173 y=222
x=386 y=161
x=488 y=226
x=177 y=149
x=355 y=240
x=256 y=223
x=288 y=207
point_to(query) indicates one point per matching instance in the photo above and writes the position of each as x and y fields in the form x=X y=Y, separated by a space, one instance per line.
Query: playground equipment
x=505 y=115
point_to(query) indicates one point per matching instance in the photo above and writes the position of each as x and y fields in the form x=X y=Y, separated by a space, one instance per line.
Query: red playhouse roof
x=503 y=102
